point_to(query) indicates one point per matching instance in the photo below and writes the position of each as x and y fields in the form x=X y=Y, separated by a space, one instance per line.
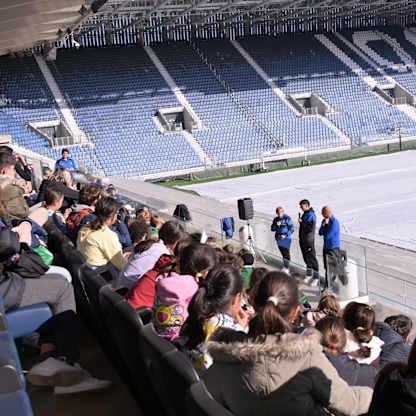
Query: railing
x=263 y=238
x=274 y=141
x=383 y=285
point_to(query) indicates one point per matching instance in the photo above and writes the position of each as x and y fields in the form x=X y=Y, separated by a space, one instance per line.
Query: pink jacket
x=173 y=294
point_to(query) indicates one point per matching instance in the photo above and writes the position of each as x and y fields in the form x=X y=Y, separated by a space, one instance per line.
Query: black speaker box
x=245 y=209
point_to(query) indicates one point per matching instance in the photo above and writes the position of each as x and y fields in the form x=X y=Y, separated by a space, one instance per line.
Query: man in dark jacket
x=307 y=226
x=282 y=226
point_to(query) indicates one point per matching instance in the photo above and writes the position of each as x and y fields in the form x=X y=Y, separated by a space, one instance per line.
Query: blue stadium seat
x=13 y=398
x=26 y=320
x=115 y=106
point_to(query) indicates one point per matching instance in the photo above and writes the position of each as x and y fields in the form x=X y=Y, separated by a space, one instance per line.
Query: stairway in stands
x=245 y=109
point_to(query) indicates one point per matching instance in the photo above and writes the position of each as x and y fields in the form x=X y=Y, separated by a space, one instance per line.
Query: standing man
x=66 y=162
x=330 y=230
x=282 y=226
x=307 y=227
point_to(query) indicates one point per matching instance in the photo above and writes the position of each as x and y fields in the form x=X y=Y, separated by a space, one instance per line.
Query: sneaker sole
x=61 y=379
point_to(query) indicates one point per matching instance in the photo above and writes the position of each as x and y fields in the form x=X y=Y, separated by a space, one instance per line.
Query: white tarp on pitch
x=373 y=197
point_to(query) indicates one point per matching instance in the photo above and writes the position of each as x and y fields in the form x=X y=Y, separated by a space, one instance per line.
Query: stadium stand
x=306 y=65
x=245 y=71
x=26 y=98
x=264 y=103
x=244 y=119
x=230 y=136
x=115 y=105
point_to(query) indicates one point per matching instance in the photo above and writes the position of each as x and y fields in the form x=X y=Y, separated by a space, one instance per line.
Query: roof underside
x=27 y=23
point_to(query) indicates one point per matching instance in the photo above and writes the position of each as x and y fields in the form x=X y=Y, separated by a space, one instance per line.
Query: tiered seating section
x=301 y=63
x=266 y=106
x=230 y=136
x=25 y=97
x=395 y=68
x=115 y=92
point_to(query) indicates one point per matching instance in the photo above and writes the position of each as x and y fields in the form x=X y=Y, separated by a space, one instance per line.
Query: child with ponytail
x=271 y=370
x=218 y=303
x=362 y=344
x=333 y=340
x=175 y=289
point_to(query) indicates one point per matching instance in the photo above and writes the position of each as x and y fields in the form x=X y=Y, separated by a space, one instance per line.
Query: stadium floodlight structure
x=199 y=12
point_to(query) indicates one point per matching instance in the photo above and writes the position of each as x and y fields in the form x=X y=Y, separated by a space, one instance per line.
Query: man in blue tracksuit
x=307 y=229
x=330 y=230
x=65 y=162
x=282 y=226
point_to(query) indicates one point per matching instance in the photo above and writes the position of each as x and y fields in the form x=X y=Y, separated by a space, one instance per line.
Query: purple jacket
x=140 y=264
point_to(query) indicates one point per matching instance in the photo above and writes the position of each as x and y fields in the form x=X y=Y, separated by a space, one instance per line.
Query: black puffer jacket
x=395 y=395
x=11 y=284
x=394 y=348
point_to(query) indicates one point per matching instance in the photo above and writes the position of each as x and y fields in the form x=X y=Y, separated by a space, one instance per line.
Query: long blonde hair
x=62 y=176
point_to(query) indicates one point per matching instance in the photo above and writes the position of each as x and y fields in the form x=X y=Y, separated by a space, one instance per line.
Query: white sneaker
x=54 y=372
x=89 y=384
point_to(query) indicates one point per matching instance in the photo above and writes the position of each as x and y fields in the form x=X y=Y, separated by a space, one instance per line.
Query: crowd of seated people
x=249 y=331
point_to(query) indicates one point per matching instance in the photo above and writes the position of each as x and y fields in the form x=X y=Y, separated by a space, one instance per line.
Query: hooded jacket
x=141 y=263
x=247 y=375
x=173 y=294
x=394 y=396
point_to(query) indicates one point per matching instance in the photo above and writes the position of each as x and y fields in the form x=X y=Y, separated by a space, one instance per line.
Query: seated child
x=175 y=289
x=394 y=332
x=333 y=340
x=248 y=260
x=362 y=344
x=327 y=306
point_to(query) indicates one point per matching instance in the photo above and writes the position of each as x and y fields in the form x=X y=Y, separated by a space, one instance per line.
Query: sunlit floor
x=106 y=403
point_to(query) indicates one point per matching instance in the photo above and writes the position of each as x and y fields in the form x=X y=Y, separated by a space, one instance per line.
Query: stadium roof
x=171 y=13
x=27 y=23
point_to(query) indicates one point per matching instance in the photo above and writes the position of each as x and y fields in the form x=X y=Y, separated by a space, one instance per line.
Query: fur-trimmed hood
x=229 y=346
x=247 y=375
